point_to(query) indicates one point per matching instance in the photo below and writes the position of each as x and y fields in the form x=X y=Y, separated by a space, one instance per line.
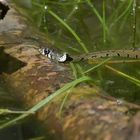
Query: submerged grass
x=128 y=77
x=7 y=111
x=70 y=30
x=98 y=15
x=134 y=24
x=97 y=66
x=74 y=70
x=104 y=21
x=125 y=11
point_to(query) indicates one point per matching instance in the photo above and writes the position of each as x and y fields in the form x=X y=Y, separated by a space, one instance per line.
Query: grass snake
x=65 y=57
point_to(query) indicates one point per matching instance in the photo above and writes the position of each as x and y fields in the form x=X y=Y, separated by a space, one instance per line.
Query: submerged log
x=85 y=116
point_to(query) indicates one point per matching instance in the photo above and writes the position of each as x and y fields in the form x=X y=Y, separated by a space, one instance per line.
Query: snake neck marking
x=64 y=57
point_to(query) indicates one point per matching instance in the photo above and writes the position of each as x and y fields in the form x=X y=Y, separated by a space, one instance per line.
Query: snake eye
x=46 y=51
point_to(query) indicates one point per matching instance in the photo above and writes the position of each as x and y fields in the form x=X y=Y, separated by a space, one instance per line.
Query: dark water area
x=9 y=64
x=8 y=102
x=27 y=129
x=23 y=131
x=120 y=87
x=13 y=133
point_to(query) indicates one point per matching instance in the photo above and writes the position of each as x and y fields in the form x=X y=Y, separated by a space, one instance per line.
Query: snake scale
x=65 y=57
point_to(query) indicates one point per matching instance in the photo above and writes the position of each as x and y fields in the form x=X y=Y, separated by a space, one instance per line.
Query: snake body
x=64 y=57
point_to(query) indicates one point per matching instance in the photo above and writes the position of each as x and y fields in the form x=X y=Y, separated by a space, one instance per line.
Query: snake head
x=51 y=54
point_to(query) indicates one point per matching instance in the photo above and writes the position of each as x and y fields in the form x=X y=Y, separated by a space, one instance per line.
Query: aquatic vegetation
x=82 y=26
x=88 y=24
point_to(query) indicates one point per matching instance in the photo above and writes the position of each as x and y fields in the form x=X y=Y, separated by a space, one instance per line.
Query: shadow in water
x=9 y=64
x=12 y=133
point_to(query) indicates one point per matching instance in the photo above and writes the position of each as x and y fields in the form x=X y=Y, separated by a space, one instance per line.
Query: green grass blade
x=64 y=100
x=74 y=70
x=104 y=21
x=7 y=111
x=80 y=70
x=97 y=66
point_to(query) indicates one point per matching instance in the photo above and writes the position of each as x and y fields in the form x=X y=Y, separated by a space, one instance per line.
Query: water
x=113 y=31
x=7 y=101
x=9 y=64
x=81 y=18
x=118 y=86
